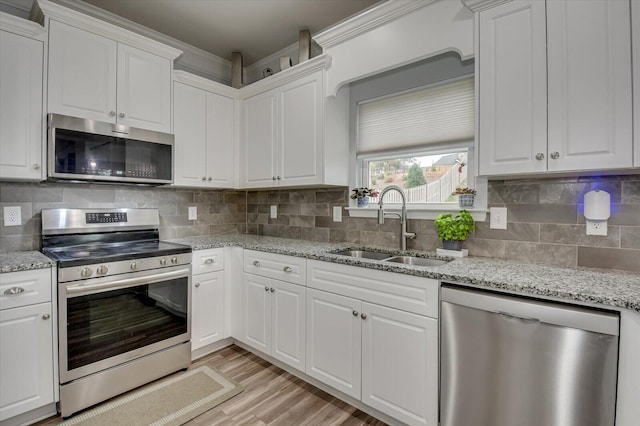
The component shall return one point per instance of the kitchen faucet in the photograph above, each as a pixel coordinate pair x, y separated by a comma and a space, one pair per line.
403, 217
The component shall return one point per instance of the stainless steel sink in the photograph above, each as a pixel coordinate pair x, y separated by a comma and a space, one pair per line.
416, 261
364, 254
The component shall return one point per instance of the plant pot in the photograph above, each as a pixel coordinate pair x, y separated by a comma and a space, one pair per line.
362, 201
452, 245
466, 200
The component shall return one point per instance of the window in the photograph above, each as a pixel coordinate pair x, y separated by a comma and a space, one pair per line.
421, 141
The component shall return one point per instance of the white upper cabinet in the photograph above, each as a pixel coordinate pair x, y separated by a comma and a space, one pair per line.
635, 32
97, 78
554, 86
205, 127
512, 118
293, 135
589, 96
21, 101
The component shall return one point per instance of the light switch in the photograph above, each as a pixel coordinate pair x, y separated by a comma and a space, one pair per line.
193, 213
274, 212
337, 213
498, 219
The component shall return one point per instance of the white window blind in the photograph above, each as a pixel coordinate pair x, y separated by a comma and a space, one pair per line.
440, 115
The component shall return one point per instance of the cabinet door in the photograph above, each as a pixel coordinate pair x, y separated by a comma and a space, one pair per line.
221, 121
21, 117
288, 316
333, 341
144, 89
82, 73
300, 115
257, 312
190, 125
259, 141
635, 28
512, 89
589, 65
207, 300
401, 383
26, 364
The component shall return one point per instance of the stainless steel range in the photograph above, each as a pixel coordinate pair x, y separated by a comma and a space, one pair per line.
124, 302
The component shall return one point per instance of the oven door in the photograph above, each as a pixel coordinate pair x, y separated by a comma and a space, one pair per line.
105, 322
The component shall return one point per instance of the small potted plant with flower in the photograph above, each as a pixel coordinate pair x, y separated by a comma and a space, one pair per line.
362, 194
466, 196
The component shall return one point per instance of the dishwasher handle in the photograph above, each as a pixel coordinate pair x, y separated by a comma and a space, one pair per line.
526, 319
534, 309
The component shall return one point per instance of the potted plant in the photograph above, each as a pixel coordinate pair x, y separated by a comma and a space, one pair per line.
466, 196
454, 230
362, 194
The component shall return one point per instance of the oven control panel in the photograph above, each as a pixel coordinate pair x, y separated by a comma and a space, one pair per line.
106, 217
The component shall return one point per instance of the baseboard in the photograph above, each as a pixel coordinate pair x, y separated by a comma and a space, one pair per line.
32, 416
206, 350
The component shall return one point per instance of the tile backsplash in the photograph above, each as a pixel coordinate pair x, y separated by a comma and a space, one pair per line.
545, 220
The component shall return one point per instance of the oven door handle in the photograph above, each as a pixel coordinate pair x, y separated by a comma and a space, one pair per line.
126, 282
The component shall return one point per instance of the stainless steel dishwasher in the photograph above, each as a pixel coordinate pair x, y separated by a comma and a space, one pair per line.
511, 361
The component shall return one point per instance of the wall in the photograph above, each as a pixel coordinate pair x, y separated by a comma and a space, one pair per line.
545, 222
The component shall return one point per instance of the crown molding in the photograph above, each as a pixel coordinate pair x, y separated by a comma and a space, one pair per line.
204, 84
101, 27
20, 26
312, 65
367, 20
479, 5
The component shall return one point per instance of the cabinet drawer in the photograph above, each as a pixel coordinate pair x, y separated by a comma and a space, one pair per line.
207, 261
278, 266
25, 288
408, 293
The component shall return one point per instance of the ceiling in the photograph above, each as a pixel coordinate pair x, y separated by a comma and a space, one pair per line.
257, 28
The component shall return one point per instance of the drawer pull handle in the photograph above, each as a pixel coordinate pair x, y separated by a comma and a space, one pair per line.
363, 316
13, 290
355, 313
256, 263
197, 285
208, 261
287, 269
46, 316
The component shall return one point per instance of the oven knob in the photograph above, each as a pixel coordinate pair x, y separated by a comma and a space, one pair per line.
134, 266
174, 260
102, 270
86, 272
163, 261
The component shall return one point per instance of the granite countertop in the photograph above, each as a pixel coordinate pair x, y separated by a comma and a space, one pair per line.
24, 261
587, 285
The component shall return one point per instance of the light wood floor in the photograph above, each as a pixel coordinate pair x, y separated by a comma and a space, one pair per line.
271, 397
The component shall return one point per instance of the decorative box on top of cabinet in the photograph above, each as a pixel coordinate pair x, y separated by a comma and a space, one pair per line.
27, 322
554, 83
21, 100
101, 72
292, 134
205, 124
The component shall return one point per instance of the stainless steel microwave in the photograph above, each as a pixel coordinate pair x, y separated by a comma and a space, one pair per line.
94, 151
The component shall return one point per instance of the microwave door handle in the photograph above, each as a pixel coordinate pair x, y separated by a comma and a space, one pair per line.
126, 282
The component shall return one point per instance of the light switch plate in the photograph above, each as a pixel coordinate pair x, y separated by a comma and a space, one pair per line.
193, 213
12, 216
498, 218
337, 214
274, 212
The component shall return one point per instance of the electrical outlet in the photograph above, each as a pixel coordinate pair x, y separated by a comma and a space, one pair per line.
12, 216
274, 212
193, 213
337, 214
597, 227
498, 219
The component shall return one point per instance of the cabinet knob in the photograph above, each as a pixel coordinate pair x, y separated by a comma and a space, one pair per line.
256, 263
266, 289
13, 290
273, 178
197, 285
46, 316
121, 115
204, 178
278, 177
555, 155
112, 113
363, 316
355, 313
539, 156
208, 261
272, 289
36, 166
287, 269
209, 178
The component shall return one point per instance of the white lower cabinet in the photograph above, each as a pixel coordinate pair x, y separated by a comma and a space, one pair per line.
26, 338
207, 298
